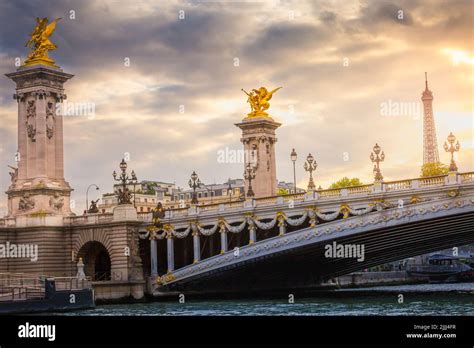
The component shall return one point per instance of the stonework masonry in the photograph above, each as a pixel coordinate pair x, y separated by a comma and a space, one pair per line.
258, 137
39, 210
38, 185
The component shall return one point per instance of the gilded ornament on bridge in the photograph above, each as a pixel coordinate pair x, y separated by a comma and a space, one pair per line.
344, 210
259, 101
157, 214
453, 193
40, 43
152, 229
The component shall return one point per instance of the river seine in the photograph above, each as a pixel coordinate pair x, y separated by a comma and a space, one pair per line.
422, 299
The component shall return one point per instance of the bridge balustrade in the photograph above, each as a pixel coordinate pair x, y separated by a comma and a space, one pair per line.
262, 218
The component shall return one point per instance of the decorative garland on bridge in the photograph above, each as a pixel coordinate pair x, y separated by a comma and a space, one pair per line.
208, 231
265, 225
182, 234
253, 222
296, 222
235, 229
306, 235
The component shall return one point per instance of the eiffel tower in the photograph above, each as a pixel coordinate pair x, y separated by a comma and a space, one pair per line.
430, 145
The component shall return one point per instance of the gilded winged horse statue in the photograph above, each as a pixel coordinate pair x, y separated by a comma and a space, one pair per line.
259, 101
40, 43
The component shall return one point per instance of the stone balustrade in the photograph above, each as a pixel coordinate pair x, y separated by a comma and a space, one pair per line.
368, 190
328, 195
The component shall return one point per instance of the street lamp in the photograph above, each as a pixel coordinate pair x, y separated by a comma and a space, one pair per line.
377, 159
124, 180
452, 148
310, 165
293, 157
249, 175
194, 183
87, 195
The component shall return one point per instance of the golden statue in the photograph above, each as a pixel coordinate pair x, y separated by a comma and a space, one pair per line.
259, 101
40, 44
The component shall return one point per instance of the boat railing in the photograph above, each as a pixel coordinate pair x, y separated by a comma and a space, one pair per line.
435, 268
22, 286
72, 283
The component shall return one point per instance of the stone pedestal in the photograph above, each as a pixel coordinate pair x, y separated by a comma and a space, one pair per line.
258, 137
378, 187
452, 178
38, 186
125, 212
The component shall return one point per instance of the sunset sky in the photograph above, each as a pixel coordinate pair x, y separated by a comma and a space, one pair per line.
175, 106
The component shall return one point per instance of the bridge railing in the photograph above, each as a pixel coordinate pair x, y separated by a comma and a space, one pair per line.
360, 190
398, 185
432, 181
325, 194
467, 177
89, 219
239, 227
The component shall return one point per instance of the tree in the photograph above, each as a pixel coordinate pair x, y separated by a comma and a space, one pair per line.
345, 182
433, 169
281, 191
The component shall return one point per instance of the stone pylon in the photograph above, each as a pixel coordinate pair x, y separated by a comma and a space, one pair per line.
37, 185
258, 137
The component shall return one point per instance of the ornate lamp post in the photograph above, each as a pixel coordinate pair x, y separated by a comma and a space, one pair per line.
293, 157
194, 183
87, 195
124, 195
377, 159
310, 165
452, 148
249, 175
229, 191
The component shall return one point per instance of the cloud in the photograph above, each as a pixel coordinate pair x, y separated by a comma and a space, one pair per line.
177, 102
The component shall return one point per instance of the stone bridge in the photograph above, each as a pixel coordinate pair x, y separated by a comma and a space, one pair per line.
281, 242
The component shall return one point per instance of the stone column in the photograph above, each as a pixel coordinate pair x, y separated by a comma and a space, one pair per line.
22, 137
153, 255
281, 226
196, 246
223, 233
41, 155
252, 233
58, 138
170, 251
40, 186
258, 137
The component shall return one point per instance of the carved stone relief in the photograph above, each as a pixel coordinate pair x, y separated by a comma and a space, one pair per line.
50, 118
26, 203
31, 120
56, 202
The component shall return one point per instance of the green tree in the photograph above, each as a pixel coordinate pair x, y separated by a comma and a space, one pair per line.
345, 182
432, 169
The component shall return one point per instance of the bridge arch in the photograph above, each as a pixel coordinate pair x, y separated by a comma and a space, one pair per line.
95, 247
96, 258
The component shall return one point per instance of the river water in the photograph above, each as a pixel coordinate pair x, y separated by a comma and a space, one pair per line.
422, 299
